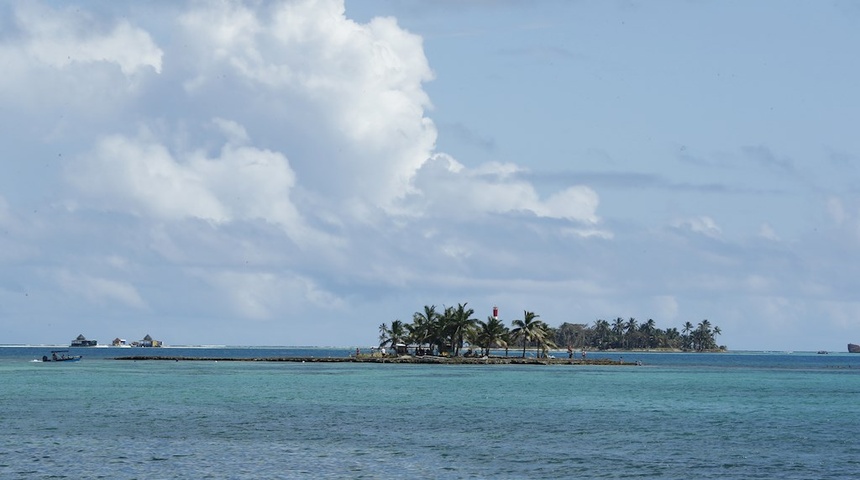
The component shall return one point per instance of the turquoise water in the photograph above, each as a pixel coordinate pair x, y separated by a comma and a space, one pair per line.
677, 416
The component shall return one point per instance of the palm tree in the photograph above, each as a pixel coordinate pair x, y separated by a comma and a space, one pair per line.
618, 332
672, 338
686, 330
703, 337
630, 329
602, 333
491, 333
457, 322
529, 329
444, 330
507, 340
545, 339
384, 338
393, 335
424, 326
649, 330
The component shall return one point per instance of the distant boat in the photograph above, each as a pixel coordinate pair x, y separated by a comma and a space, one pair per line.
823, 352
853, 348
60, 356
81, 341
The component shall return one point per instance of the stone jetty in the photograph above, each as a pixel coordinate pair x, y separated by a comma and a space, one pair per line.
404, 359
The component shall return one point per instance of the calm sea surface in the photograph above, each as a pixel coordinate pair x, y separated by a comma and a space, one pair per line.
683, 416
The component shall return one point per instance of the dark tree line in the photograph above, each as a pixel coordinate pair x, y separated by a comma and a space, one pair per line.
629, 334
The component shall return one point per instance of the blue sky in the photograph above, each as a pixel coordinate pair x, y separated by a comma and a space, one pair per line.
296, 173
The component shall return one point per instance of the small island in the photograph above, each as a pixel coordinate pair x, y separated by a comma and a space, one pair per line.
447, 332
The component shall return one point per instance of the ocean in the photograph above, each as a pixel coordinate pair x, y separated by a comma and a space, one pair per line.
739, 415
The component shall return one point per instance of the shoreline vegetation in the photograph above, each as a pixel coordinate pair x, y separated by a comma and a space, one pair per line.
454, 332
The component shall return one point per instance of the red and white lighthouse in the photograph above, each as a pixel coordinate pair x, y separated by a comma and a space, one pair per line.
496, 312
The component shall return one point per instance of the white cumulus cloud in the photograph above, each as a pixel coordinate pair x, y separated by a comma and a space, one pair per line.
704, 225
59, 55
352, 92
141, 175
447, 186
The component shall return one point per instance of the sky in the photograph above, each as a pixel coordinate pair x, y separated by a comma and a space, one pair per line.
299, 172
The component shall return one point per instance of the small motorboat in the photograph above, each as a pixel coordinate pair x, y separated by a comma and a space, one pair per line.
61, 356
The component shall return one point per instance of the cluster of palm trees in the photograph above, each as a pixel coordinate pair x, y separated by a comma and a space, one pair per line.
629, 334
447, 331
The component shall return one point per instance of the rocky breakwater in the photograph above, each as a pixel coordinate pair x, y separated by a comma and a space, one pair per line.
404, 359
